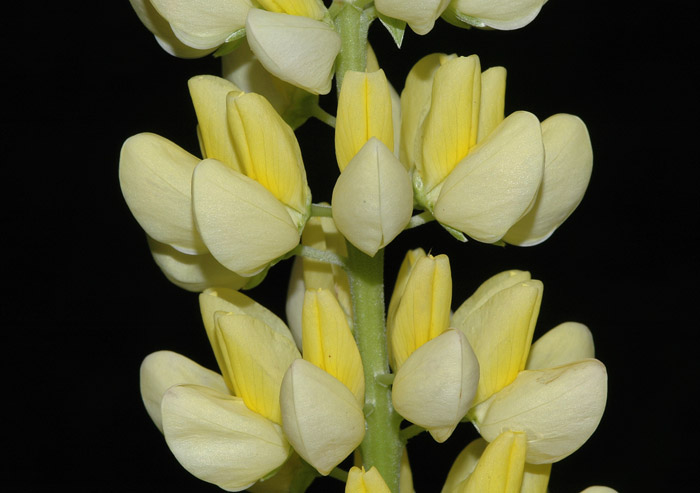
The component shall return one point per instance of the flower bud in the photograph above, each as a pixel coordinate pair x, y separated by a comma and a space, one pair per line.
320, 416
296, 49
372, 199
558, 408
361, 481
435, 386
500, 467
218, 439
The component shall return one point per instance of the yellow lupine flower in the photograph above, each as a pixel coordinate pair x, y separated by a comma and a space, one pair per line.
313, 9
328, 341
361, 481
419, 14
495, 14
364, 111
402, 277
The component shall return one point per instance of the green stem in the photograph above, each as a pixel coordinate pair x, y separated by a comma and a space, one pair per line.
339, 474
353, 25
382, 446
410, 432
322, 115
316, 254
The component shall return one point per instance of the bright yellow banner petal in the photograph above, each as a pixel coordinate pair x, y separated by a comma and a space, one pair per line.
423, 312
500, 332
244, 226
451, 126
464, 464
208, 95
267, 149
364, 111
307, 8
405, 269
361, 481
328, 341
155, 177
500, 468
258, 357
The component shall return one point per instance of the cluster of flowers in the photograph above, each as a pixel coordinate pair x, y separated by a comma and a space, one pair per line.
298, 391
291, 394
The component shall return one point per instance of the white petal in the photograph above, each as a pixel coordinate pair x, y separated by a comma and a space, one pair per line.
155, 176
193, 272
244, 226
567, 171
419, 14
203, 24
373, 198
500, 14
296, 49
559, 409
218, 439
435, 386
320, 416
164, 369
564, 344
496, 183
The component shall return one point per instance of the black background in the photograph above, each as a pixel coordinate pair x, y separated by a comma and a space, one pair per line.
82, 302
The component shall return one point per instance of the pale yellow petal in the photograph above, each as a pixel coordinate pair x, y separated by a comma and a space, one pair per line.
218, 439
203, 24
402, 278
496, 184
192, 272
500, 332
423, 312
373, 198
364, 111
415, 103
486, 290
267, 149
328, 341
298, 50
567, 170
499, 14
564, 344
493, 100
435, 386
361, 481
244, 226
536, 478
162, 31
208, 95
155, 177
451, 126
258, 358
464, 464
599, 489
419, 14
320, 416
500, 468
558, 408
164, 369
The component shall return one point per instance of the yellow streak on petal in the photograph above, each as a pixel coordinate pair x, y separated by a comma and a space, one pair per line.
328, 343
364, 111
424, 310
267, 149
451, 127
501, 466
493, 101
258, 357
306, 8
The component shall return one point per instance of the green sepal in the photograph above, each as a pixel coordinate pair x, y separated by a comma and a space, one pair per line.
396, 28
233, 41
